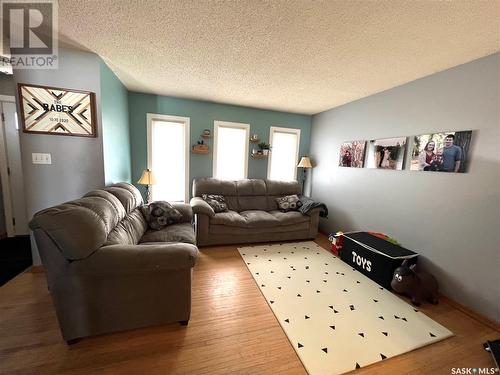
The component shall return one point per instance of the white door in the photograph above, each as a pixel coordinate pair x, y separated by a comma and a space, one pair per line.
11, 170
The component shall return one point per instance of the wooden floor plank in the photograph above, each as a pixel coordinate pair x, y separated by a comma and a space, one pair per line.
232, 330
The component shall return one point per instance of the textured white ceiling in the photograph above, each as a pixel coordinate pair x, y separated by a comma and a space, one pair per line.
298, 56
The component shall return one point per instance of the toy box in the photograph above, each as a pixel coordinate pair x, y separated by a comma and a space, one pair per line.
374, 257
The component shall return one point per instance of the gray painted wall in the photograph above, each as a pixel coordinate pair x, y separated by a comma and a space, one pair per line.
452, 220
7, 85
77, 162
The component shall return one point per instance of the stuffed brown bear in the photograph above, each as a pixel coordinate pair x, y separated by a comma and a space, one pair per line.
419, 285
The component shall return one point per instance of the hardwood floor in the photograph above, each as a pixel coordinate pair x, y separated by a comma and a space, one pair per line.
232, 330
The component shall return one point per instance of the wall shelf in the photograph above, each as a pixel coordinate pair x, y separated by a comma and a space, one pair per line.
259, 156
200, 151
204, 136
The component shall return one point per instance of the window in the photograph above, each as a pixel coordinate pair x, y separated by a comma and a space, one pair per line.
168, 156
231, 150
283, 158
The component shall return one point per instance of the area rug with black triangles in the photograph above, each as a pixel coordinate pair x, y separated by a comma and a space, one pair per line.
336, 318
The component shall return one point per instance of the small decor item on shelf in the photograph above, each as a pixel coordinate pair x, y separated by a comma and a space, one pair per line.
206, 132
147, 179
254, 138
264, 148
418, 285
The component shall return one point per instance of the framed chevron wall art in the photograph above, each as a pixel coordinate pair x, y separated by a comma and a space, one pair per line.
52, 110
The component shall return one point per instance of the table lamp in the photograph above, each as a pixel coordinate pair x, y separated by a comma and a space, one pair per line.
305, 163
147, 179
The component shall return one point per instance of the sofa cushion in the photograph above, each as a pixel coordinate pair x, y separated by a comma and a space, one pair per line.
290, 217
208, 185
259, 219
160, 214
229, 218
232, 231
79, 227
127, 194
186, 211
182, 232
251, 194
278, 189
217, 202
255, 202
289, 203
128, 231
281, 188
251, 187
120, 211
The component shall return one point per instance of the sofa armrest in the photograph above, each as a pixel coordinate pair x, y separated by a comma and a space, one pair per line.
185, 209
124, 259
201, 207
314, 212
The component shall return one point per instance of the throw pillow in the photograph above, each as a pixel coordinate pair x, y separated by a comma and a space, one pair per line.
289, 203
217, 202
159, 214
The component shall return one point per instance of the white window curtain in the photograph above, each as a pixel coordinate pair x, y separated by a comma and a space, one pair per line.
282, 164
168, 157
230, 150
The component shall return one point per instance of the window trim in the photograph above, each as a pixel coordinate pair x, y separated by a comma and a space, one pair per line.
279, 129
179, 119
227, 124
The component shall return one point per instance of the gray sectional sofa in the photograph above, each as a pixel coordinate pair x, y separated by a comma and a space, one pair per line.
252, 215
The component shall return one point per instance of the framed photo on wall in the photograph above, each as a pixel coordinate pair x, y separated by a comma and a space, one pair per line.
352, 154
53, 110
441, 152
387, 153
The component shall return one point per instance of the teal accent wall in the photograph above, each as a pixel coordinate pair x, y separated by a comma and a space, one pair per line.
202, 116
115, 128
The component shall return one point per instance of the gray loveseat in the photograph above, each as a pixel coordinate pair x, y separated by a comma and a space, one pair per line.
106, 272
252, 215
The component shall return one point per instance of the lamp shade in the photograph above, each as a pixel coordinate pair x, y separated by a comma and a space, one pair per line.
305, 162
147, 178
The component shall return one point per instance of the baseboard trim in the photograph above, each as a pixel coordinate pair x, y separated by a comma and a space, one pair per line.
471, 313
